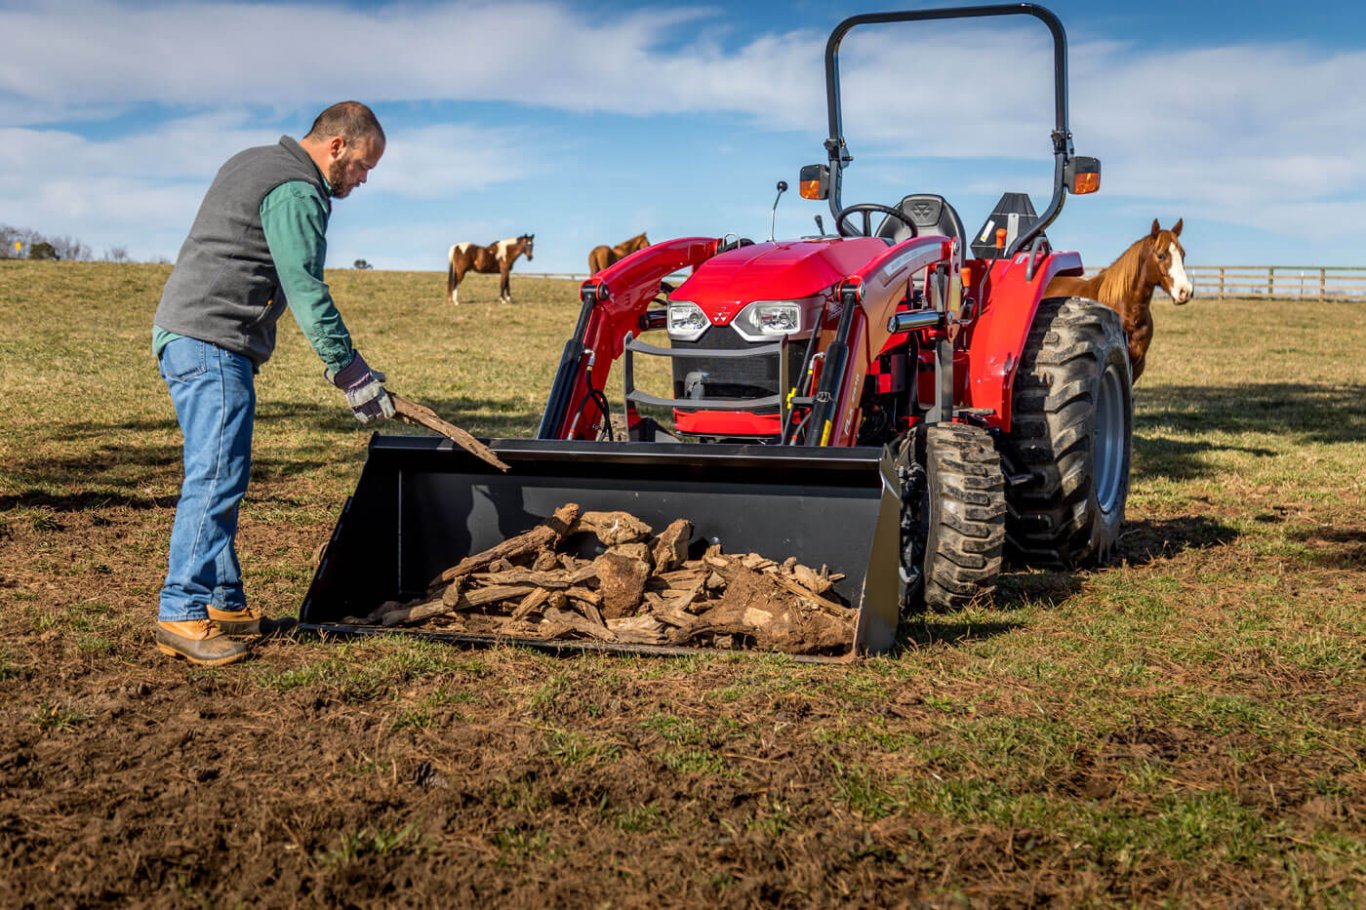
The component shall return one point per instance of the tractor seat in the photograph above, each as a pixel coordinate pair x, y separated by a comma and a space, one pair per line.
931, 214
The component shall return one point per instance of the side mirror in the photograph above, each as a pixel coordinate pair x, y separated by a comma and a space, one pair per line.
1082, 175
814, 181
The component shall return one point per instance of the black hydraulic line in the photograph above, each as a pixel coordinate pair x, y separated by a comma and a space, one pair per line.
806, 368
832, 372
562, 390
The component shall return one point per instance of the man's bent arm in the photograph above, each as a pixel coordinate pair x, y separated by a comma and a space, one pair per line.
294, 219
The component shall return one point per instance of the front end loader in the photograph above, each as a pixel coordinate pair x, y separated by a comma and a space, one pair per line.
895, 401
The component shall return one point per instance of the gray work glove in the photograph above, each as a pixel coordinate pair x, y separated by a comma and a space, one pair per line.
364, 390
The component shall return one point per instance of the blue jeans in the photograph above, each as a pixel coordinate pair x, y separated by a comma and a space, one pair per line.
215, 402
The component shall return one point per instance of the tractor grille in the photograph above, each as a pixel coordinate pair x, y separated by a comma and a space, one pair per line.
704, 377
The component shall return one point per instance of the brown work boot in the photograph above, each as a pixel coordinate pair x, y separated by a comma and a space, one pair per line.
199, 641
245, 621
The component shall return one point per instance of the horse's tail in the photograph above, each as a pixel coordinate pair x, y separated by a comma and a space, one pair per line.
450, 273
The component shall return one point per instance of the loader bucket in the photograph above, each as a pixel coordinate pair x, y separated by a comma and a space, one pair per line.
423, 504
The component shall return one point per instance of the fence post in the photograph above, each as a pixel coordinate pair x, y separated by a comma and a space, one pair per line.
1323, 284
1271, 281
1221, 282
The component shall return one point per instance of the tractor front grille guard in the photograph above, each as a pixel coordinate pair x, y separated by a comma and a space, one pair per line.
635, 396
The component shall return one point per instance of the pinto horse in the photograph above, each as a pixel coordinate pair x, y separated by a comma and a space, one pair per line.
496, 257
603, 256
1126, 286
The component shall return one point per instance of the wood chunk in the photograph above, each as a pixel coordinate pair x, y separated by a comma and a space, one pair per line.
590, 612
671, 546
716, 561
546, 534
479, 597
613, 527
810, 579
579, 624
557, 600
828, 605
406, 616
501, 565
716, 582
584, 595
531, 603
713, 550
636, 551
683, 578
545, 561
789, 564
556, 579
621, 582
641, 630
451, 596
375, 616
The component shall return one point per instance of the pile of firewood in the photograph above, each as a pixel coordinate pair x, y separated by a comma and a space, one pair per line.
642, 589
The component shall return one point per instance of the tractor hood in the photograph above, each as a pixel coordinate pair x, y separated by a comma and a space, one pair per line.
785, 270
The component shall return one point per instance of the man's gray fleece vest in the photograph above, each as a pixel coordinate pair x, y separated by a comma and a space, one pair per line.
224, 288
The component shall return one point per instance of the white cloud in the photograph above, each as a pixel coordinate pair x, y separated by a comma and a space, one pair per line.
1243, 135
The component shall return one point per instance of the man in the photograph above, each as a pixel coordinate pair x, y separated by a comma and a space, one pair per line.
257, 245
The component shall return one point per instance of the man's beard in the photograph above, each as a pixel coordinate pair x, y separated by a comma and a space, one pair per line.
336, 173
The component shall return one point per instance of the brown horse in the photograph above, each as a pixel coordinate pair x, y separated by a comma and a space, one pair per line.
1126, 286
496, 257
603, 256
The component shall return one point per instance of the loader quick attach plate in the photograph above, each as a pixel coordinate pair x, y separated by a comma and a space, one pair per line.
422, 505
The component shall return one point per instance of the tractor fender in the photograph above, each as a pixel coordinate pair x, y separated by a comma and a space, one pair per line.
1008, 300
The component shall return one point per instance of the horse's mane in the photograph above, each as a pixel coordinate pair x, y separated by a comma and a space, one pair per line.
1123, 273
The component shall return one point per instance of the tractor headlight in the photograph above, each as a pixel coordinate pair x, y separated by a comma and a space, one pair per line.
765, 319
687, 322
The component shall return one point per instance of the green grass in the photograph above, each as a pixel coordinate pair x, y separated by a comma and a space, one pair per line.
1153, 732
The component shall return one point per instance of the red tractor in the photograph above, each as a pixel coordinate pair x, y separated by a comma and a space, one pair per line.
896, 400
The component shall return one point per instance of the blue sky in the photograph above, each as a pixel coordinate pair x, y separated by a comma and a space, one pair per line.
588, 123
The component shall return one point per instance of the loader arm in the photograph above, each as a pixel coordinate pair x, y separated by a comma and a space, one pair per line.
614, 302
868, 296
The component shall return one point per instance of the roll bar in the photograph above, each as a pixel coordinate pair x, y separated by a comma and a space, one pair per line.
1062, 139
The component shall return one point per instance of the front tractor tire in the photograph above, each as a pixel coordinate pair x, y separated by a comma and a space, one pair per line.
1073, 429
952, 517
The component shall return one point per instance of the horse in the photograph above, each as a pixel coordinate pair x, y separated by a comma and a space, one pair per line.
496, 257
603, 256
1126, 286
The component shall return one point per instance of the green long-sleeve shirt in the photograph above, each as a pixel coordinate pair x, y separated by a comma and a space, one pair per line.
294, 219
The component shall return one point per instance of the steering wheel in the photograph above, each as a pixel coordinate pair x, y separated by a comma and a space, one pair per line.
867, 209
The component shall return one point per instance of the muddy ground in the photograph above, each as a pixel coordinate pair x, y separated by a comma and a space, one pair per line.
388, 773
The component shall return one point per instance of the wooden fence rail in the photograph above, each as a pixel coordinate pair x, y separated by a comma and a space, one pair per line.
1288, 282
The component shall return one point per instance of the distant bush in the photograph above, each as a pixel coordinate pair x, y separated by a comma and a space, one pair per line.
362, 264
34, 245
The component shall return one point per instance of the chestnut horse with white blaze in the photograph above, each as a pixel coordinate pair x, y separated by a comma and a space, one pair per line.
496, 257
603, 256
1127, 284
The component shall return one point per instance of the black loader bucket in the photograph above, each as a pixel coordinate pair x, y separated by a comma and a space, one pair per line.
423, 504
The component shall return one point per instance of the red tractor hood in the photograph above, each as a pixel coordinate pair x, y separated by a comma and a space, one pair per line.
785, 270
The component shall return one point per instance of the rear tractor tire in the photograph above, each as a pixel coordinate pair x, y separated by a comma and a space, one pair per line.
952, 517
1073, 429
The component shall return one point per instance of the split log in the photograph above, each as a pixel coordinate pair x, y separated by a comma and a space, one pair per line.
810, 579
621, 582
544, 535
637, 551
407, 616
558, 579
423, 416
613, 527
479, 597
531, 603
671, 547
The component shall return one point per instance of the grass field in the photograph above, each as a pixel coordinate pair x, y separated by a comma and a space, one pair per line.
1185, 727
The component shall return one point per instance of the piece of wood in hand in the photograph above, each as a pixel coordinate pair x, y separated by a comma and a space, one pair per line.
410, 411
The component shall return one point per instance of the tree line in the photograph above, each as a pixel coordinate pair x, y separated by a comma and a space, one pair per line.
26, 243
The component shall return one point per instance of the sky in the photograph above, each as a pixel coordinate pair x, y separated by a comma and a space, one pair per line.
587, 123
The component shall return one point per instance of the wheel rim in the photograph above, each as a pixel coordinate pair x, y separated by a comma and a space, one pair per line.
1109, 439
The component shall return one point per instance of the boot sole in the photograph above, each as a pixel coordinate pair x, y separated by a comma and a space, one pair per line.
201, 661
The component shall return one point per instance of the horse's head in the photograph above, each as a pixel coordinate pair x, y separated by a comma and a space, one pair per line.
527, 241
1167, 263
